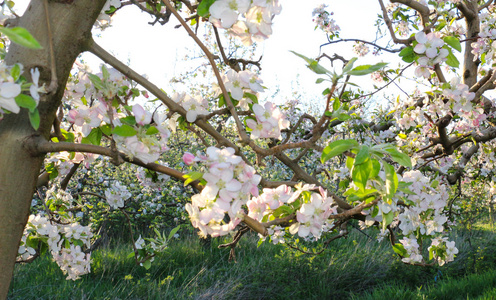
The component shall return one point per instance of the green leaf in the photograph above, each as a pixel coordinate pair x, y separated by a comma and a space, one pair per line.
407, 54
32, 242
147, 264
34, 119
173, 231
21, 36
130, 255
69, 136
152, 130
343, 117
203, 8
451, 60
453, 42
320, 80
106, 129
94, 137
387, 219
376, 168
222, 101
403, 187
399, 156
336, 148
366, 69
312, 64
250, 96
391, 180
349, 162
361, 174
124, 130
192, 176
26, 101
362, 155
52, 170
105, 73
282, 211
97, 81
15, 72
400, 249
129, 120
349, 65
336, 104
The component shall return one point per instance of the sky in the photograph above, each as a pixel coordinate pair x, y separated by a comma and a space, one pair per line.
158, 50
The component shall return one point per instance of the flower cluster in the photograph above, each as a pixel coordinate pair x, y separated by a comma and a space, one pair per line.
257, 23
322, 20
116, 195
239, 83
11, 86
194, 106
403, 29
442, 250
268, 201
63, 241
147, 141
312, 216
269, 121
485, 46
360, 49
430, 47
425, 214
229, 184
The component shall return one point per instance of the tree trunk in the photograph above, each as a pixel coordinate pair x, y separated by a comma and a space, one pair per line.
71, 23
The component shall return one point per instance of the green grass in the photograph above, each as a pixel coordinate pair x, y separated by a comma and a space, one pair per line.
355, 267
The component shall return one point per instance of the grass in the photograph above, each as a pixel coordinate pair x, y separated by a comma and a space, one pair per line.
356, 267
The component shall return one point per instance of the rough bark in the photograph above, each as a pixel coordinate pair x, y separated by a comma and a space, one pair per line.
71, 25
470, 10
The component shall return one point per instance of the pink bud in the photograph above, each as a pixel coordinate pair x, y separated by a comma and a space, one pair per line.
189, 158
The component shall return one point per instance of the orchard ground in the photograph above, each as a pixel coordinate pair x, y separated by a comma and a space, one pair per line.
357, 267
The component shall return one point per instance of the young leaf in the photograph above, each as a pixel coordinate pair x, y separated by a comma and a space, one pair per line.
192, 176
21, 36
362, 155
15, 72
94, 137
203, 8
407, 54
152, 130
399, 157
147, 264
26, 101
400, 249
349, 65
97, 82
173, 231
452, 61
391, 180
34, 119
312, 64
453, 42
361, 174
124, 130
366, 69
336, 148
